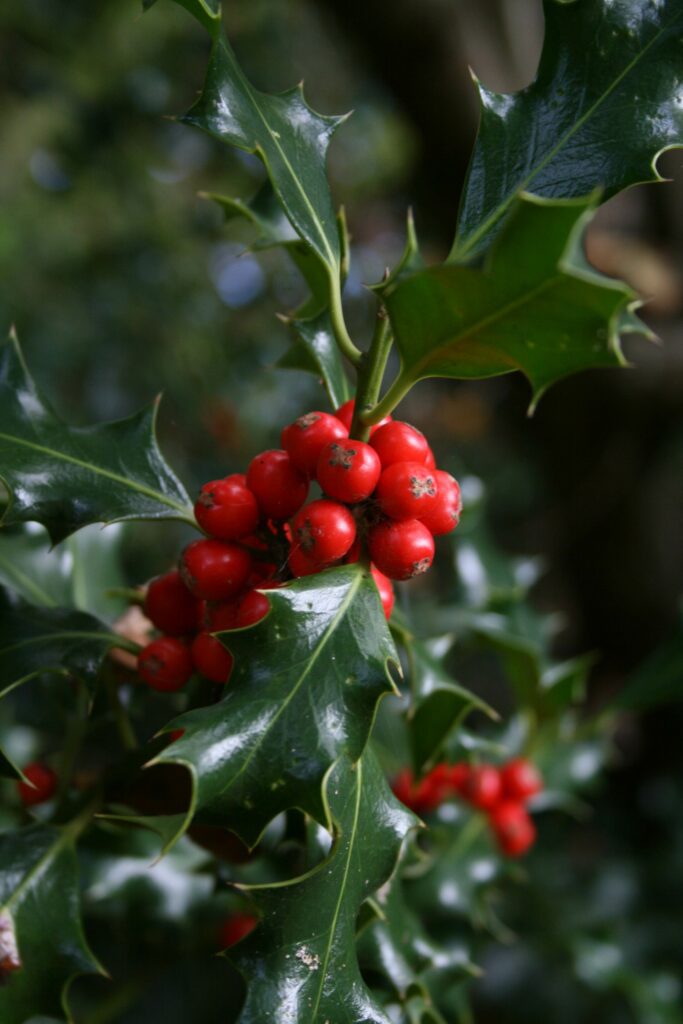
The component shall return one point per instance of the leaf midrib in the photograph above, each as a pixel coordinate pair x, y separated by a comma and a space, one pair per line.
133, 485
483, 229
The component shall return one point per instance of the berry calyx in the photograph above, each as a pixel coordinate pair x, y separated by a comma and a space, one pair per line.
482, 787
521, 780
401, 550
280, 488
227, 509
512, 827
236, 928
407, 490
399, 442
348, 470
170, 605
305, 438
211, 658
386, 590
445, 515
41, 785
324, 531
345, 414
165, 664
215, 570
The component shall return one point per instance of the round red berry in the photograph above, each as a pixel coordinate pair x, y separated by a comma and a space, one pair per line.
305, 438
236, 928
280, 488
218, 615
445, 515
211, 658
227, 509
386, 590
301, 565
324, 531
403, 787
165, 664
170, 605
407, 490
512, 827
348, 470
253, 607
399, 442
401, 550
345, 414
458, 777
482, 788
521, 779
214, 569
41, 785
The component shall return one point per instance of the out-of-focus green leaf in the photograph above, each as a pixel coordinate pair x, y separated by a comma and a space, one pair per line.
605, 103
66, 477
659, 680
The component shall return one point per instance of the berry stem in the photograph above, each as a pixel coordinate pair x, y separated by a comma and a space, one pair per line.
396, 393
370, 376
343, 339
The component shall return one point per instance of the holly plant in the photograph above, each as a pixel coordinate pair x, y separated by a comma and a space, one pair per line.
259, 786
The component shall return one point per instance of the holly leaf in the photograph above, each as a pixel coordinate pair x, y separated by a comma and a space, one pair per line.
302, 957
536, 306
315, 351
304, 691
40, 923
604, 105
66, 477
57, 641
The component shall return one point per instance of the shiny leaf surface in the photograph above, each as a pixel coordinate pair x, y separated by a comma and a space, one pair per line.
66, 477
605, 103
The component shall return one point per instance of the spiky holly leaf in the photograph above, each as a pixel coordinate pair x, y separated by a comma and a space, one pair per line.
605, 103
536, 306
302, 956
66, 477
304, 690
58, 641
40, 923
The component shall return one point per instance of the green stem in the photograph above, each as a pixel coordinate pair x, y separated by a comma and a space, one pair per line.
370, 376
353, 354
133, 595
121, 719
396, 393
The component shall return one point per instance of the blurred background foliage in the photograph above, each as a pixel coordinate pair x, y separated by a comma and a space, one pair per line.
123, 282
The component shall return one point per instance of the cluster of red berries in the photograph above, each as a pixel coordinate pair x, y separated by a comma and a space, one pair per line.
501, 793
385, 496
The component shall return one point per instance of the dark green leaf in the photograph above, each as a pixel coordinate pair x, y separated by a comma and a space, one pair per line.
66, 477
304, 690
302, 958
536, 306
40, 912
410, 261
605, 103
316, 351
659, 680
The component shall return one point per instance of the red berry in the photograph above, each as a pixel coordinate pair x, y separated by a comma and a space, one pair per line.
165, 664
348, 470
403, 786
253, 607
217, 616
445, 515
305, 438
345, 414
301, 565
214, 569
211, 658
170, 605
430, 461
401, 550
521, 780
407, 490
227, 509
399, 442
280, 488
513, 828
236, 928
482, 788
324, 531
386, 590
353, 554
458, 777
41, 785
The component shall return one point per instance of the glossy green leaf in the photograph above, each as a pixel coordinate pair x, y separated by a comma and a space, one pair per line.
56, 641
302, 958
66, 477
304, 690
536, 306
315, 351
40, 920
605, 103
